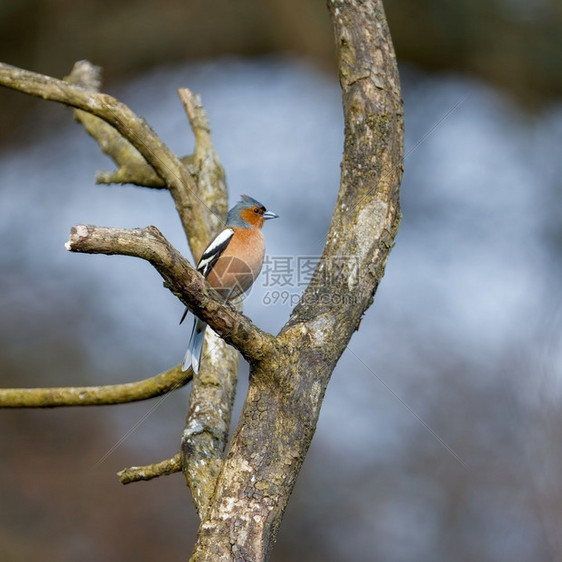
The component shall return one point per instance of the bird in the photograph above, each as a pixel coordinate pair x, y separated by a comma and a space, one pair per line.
231, 263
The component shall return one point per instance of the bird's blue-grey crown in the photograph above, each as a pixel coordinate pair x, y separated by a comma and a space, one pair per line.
246, 202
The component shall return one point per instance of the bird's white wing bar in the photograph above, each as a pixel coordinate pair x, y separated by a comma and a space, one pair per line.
211, 255
214, 250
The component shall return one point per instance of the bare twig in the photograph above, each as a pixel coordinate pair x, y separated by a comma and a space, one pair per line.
150, 471
198, 121
204, 164
95, 395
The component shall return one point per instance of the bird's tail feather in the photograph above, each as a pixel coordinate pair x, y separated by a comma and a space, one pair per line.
193, 354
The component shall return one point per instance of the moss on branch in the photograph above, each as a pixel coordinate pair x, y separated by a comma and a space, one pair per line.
150, 471
54, 397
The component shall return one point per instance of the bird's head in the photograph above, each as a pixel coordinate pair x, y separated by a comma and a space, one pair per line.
249, 213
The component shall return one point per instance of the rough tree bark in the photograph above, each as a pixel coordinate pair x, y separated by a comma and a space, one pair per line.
287, 384
241, 497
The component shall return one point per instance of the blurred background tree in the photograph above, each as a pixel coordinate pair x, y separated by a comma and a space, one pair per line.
471, 360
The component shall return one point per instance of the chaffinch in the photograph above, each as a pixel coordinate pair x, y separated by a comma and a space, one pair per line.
231, 263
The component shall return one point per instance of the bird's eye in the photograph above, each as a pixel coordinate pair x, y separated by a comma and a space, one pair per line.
256, 210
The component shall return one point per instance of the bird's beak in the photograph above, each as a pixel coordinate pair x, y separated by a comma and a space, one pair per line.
270, 215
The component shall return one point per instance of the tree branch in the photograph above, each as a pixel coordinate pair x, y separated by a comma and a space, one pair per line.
207, 424
193, 212
180, 277
212, 394
205, 167
133, 168
150, 471
165, 382
367, 212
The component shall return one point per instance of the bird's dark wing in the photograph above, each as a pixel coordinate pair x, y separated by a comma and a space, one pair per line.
211, 255
214, 251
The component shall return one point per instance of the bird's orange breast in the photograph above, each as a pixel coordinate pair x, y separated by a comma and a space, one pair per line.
240, 263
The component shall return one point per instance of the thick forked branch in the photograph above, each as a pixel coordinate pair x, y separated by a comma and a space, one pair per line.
285, 394
180, 277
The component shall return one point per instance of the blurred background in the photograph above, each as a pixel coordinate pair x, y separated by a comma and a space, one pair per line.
439, 437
